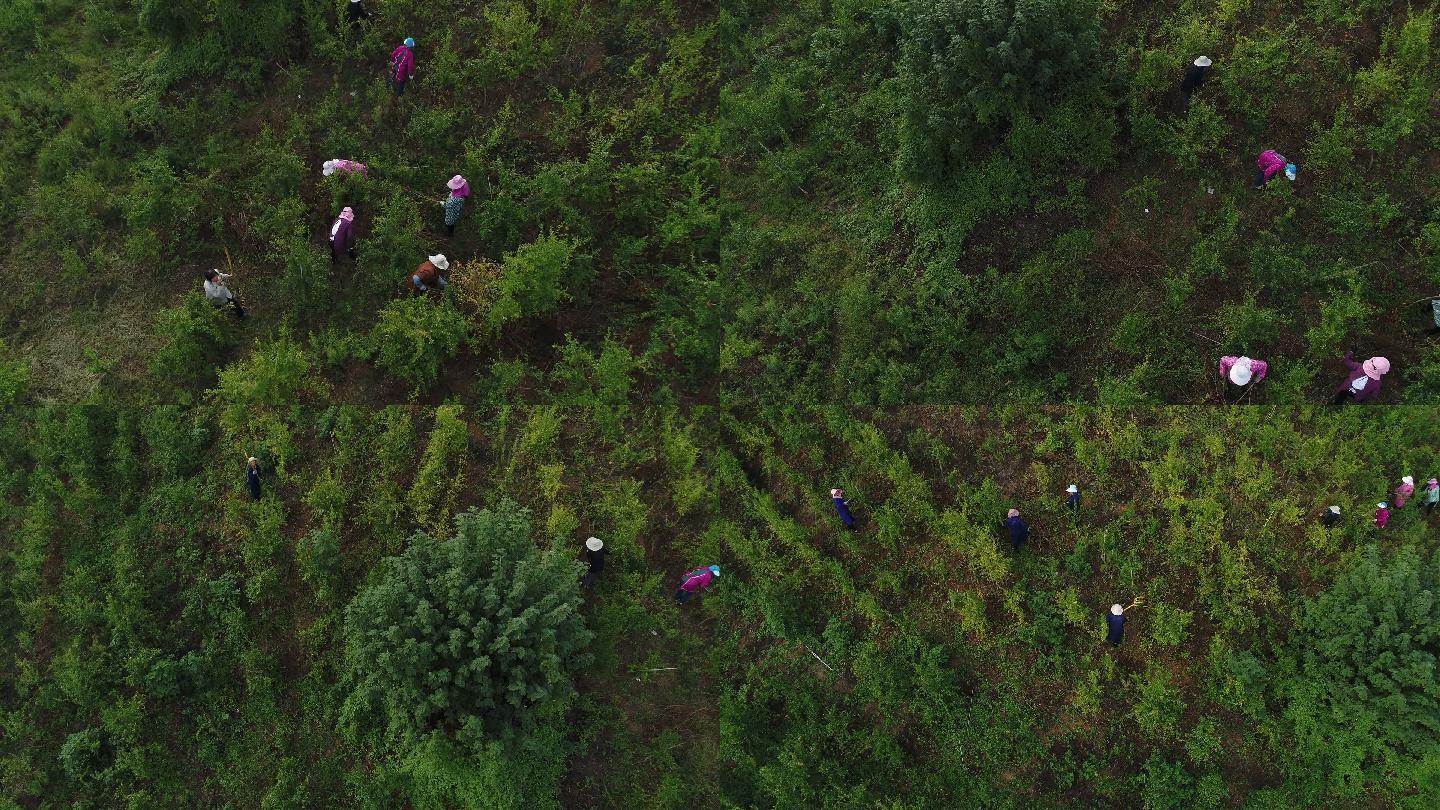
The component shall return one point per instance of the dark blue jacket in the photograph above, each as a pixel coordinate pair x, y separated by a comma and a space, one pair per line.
1019, 531
252, 480
1117, 628
843, 508
1073, 502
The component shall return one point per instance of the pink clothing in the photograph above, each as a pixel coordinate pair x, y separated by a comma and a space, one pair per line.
1258, 368
1382, 516
350, 166
697, 580
463, 191
1271, 163
1402, 492
402, 63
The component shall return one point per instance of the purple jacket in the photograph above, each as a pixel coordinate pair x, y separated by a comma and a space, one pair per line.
697, 580
1372, 386
402, 64
342, 235
1271, 163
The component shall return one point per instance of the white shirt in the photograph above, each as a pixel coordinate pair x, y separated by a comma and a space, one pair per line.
1360, 383
217, 292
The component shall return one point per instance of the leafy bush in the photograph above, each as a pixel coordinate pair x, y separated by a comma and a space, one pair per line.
413, 337
471, 640
195, 332
1367, 651
536, 278
436, 483
969, 66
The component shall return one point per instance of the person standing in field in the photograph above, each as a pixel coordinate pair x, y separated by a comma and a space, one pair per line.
342, 235
1330, 518
1432, 495
356, 13
455, 202
1404, 491
1072, 503
1019, 530
1382, 514
1115, 623
1242, 371
1271, 163
1195, 76
1363, 382
427, 276
218, 294
694, 582
842, 508
595, 558
402, 65
252, 478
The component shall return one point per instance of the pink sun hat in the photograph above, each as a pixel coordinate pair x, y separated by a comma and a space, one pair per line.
459, 186
347, 214
1375, 367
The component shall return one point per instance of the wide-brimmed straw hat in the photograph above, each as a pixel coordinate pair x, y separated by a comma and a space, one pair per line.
1072, 488
1203, 61
1117, 610
1241, 373
1375, 367
440, 262
594, 544
455, 183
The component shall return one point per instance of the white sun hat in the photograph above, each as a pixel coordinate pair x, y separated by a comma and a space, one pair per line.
1409, 479
837, 493
1335, 509
1116, 610
440, 262
1072, 488
594, 544
327, 168
1203, 61
1240, 373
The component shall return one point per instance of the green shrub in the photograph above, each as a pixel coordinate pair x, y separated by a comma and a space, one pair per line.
413, 337
195, 332
969, 66
536, 278
471, 640
441, 473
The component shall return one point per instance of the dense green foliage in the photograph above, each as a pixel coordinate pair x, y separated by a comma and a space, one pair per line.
472, 639
718, 259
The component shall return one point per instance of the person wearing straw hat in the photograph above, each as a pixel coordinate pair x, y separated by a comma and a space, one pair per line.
1194, 77
1432, 495
1115, 622
219, 295
342, 166
842, 508
342, 235
694, 582
1404, 491
252, 477
402, 65
1382, 514
427, 276
455, 203
1242, 370
1073, 502
595, 558
1330, 518
1271, 163
1363, 382
1019, 530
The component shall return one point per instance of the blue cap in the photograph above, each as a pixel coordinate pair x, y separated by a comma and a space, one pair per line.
1290, 170
715, 569
409, 42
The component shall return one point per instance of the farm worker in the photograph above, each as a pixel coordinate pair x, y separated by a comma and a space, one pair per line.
1382, 515
1194, 77
1363, 383
355, 12
342, 235
694, 582
455, 203
1432, 313
1405, 490
1243, 370
1432, 495
1330, 517
402, 65
595, 557
252, 478
1115, 622
1019, 531
842, 508
427, 276
1073, 502
218, 294
1271, 163
343, 166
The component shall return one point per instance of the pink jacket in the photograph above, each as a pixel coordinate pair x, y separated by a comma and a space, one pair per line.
402, 62
1258, 368
697, 580
351, 166
1271, 163
1402, 492
1382, 516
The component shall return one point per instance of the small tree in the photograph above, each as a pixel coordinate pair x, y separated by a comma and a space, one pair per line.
468, 640
415, 336
1366, 692
972, 65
